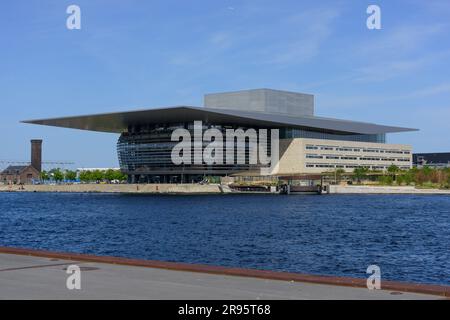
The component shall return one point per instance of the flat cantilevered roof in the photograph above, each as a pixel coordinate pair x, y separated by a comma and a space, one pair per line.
118, 122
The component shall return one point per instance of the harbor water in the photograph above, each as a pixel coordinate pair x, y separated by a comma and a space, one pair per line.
407, 236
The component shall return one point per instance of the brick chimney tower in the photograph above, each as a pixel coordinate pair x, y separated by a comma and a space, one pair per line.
36, 154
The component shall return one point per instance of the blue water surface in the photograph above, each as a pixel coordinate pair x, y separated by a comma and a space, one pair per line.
407, 236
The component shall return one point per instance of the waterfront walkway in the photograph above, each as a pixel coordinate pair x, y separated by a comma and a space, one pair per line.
119, 188
202, 189
43, 276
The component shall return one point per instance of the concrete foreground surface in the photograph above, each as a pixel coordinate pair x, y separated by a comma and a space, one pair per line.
31, 277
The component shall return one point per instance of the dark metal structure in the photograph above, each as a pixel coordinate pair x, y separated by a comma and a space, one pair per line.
119, 122
438, 159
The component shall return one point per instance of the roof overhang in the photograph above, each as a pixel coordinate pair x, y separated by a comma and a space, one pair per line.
119, 122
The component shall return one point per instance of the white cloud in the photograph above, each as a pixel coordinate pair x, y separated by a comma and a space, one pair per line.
383, 71
433, 90
222, 40
400, 41
309, 30
435, 6
332, 102
302, 37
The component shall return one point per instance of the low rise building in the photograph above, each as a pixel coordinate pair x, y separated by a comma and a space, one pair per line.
25, 174
434, 160
19, 175
316, 155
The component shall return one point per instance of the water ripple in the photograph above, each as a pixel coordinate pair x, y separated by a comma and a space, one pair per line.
407, 236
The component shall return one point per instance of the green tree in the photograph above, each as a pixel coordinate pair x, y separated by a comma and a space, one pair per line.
385, 180
110, 175
44, 175
338, 173
408, 177
70, 175
98, 175
427, 171
400, 179
360, 173
57, 174
119, 175
86, 176
393, 170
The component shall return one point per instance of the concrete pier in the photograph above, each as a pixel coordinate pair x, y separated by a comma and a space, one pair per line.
201, 189
120, 188
43, 276
384, 190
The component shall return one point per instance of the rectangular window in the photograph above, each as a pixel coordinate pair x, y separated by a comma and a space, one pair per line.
314, 156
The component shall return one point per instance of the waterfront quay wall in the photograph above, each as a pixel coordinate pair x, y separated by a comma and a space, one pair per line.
201, 189
383, 190
119, 188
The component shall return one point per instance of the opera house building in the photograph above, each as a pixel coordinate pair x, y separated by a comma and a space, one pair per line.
308, 144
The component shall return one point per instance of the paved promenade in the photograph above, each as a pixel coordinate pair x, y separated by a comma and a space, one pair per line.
201, 189
385, 190
34, 277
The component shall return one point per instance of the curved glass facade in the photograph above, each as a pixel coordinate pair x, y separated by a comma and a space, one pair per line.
145, 152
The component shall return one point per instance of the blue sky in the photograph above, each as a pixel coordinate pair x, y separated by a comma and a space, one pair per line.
144, 54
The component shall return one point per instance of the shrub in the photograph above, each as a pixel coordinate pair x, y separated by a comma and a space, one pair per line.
385, 180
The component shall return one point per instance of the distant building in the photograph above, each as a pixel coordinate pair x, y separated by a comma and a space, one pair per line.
434, 160
19, 175
28, 173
